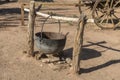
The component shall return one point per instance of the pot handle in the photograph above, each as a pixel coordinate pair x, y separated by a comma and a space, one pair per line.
44, 23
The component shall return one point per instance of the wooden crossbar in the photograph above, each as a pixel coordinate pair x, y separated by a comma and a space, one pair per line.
58, 17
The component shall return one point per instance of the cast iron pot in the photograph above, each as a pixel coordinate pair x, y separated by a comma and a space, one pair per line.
50, 42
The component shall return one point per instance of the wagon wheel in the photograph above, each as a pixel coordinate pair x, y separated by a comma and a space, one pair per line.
107, 14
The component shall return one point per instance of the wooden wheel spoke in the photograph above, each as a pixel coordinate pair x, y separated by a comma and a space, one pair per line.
96, 12
87, 8
116, 3
101, 10
107, 3
118, 24
115, 16
112, 20
102, 19
101, 16
116, 11
102, 4
107, 19
111, 3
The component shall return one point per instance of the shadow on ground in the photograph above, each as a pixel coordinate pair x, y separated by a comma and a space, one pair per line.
106, 64
11, 17
100, 45
85, 55
90, 54
10, 11
5, 1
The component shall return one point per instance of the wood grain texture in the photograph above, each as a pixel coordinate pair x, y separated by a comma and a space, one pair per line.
22, 14
31, 29
78, 42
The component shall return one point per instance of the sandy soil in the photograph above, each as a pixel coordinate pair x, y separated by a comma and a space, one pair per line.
100, 55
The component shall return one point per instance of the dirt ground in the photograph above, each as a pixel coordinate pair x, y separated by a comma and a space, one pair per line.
100, 57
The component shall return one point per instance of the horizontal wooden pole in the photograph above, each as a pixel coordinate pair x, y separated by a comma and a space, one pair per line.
59, 17
54, 17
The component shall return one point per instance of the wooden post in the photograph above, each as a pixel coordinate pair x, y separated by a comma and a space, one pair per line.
79, 7
22, 14
31, 29
78, 41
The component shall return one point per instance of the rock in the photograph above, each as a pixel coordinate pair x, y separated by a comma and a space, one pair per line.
54, 67
61, 62
41, 65
68, 60
45, 60
70, 65
25, 52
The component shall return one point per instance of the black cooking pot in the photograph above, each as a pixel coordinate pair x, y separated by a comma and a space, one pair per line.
50, 42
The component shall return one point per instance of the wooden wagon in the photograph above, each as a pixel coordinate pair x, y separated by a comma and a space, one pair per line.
106, 13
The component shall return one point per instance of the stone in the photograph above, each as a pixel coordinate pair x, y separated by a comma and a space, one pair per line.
53, 66
68, 60
45, 60
61, 62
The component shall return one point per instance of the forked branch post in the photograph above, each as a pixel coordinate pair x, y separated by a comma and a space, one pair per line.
78, 42
31, 24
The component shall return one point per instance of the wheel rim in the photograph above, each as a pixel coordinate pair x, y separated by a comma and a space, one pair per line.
106, 14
